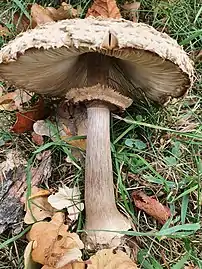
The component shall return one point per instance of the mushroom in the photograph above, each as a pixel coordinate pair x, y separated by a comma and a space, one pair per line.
104, 63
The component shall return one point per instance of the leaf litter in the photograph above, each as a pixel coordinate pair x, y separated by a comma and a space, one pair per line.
51, 244
68, 198
13, 179
37, 207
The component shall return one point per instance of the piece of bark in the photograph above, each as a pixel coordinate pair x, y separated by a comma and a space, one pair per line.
13, 190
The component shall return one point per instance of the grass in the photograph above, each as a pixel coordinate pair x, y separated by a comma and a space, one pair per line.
155, 150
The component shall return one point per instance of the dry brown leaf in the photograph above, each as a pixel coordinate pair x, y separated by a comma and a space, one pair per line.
131, 10
151, 206
4, 31
39, 15
105, 9
25, 119
39, 208
53, 245
65, 11
71, 121
14, 100
111, 259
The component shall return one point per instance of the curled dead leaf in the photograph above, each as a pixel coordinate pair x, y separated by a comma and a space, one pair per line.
151, 206
111, 259
53, 245
105, 9
37, 207
28, 262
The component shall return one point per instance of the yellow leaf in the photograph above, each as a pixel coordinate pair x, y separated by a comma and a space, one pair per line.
111, 259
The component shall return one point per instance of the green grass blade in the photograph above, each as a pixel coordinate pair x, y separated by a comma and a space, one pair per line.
185, 202
180, 263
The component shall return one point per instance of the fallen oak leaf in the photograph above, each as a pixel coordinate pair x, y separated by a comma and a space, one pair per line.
111, 259
131, 10
151, 206
53, 244
26, 119
105, 9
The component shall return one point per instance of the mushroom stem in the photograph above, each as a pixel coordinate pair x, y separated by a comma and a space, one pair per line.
101, 210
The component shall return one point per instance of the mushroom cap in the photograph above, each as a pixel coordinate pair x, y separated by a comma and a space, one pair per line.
142, 62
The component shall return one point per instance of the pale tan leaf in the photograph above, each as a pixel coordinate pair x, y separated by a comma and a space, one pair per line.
14, 100
70, 255
65, 11
39, 208
21, 97
52, 242
28, 262
105, 9
40, 15
67, 198
131, 10
111, 259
